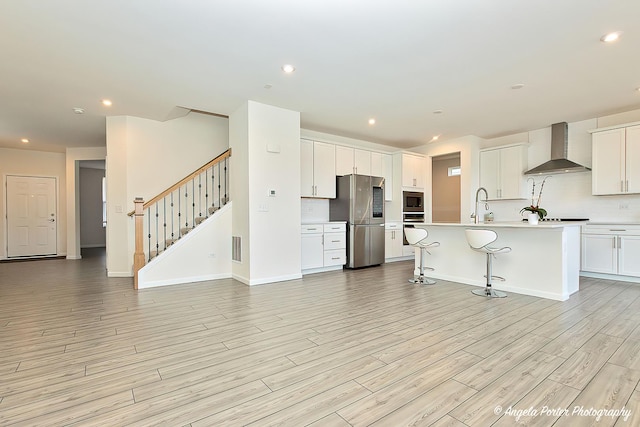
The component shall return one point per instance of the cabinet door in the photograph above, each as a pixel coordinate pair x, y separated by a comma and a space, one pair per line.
312, 252
387, 173
408, 165
393, 243
376, 164
344, 160
362, 162
413, 170
607, 176
324, 173
628, 255
511, 173
306, 168
599, 253
632, 166
490, 172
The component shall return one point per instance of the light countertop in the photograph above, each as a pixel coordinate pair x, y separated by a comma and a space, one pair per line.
505, 224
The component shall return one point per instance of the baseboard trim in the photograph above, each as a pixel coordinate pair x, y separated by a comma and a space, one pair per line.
182, 280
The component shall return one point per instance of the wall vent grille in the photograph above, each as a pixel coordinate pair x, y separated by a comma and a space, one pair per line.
236, 248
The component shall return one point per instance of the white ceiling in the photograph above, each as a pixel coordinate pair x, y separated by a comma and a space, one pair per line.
397, 61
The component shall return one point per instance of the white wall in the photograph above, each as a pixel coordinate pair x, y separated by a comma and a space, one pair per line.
569, 195
92, 233
469, 166
144, 157
34, 163
271, 161
564, 195
239, 177
203, 255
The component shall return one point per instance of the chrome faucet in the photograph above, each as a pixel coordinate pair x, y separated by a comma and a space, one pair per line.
474, 215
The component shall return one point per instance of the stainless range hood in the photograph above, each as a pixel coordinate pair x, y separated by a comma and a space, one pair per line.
559, 162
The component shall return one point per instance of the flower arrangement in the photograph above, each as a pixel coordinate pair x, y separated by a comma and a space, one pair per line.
535, 206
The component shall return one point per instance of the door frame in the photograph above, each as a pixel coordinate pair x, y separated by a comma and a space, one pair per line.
6, 213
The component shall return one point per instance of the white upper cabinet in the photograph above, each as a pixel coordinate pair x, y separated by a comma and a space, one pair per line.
387, 173
501, 172
362, 162
344, 160
376, 164
317, 169
613, 168
413, 171
352, 161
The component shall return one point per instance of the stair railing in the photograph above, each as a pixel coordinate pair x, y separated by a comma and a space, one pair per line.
167, 217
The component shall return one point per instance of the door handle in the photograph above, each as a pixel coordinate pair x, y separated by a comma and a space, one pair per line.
52, 220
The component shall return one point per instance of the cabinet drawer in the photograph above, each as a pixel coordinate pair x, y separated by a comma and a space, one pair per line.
335, 257
335, 228
335, 241
392, 226
612, 229
311, 228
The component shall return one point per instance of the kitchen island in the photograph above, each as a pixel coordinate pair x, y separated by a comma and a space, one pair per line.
544, 261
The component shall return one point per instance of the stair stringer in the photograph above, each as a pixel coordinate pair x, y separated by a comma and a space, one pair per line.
202, 254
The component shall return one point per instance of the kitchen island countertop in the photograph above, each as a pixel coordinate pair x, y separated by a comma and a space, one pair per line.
544, 261
507, 224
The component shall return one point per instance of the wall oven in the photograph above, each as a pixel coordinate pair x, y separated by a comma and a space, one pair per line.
408, 221
412, 201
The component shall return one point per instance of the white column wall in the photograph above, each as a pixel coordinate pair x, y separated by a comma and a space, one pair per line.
265, 140
239, 177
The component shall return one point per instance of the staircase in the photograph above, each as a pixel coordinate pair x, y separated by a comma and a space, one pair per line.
169, 216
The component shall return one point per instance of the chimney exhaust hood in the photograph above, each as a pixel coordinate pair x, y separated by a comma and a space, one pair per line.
559, 162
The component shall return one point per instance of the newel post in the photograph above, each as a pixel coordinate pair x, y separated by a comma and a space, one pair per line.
138, 255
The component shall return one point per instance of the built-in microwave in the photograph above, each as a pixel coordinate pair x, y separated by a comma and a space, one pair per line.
412, 201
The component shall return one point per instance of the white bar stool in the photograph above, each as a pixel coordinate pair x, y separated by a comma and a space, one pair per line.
479, 241
416, 237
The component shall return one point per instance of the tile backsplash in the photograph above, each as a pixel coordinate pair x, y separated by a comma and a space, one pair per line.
314, 210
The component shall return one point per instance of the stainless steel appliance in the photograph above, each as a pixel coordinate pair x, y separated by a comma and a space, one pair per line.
360, 201
412, 201
408, 221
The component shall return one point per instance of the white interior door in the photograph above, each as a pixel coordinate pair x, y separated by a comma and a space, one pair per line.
31, 216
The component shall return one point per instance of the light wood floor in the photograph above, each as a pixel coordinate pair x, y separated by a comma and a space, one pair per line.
333, 349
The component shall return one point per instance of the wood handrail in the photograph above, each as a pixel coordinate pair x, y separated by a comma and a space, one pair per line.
186, 179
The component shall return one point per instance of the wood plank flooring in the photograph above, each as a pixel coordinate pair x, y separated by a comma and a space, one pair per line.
352, 348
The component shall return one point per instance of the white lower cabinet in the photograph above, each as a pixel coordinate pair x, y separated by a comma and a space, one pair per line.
323, 246
335, 244
393, 240
611, 249
312, 251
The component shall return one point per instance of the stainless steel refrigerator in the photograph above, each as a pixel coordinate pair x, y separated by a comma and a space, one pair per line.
360, 201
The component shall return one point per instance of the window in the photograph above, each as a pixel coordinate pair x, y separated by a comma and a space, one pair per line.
454, 171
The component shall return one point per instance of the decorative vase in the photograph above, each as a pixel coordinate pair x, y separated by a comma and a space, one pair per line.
532, 218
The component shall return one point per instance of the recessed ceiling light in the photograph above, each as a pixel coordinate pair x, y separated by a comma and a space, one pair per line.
107, 102
438, 112
372, 121
435, 138
24, 140
288, 68
268, 86
78, 110
517, 86
611, 37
